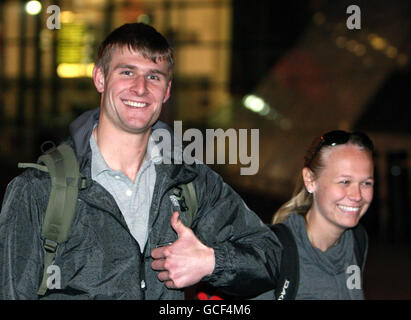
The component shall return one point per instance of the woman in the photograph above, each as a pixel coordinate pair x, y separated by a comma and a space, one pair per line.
334, 191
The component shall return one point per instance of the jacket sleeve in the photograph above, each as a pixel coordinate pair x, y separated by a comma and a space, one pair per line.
247, 252
21, 264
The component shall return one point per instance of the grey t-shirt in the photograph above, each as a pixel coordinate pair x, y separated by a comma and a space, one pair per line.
329, 274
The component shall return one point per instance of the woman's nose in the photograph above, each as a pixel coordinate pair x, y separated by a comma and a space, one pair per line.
354, 193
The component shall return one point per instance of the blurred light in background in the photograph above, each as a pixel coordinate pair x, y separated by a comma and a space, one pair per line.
33, 7
377, 42
391, 52
256, 104
75, 70
74, 48
67, 16
144, 18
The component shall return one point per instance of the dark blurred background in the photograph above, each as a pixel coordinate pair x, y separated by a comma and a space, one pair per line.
292, 69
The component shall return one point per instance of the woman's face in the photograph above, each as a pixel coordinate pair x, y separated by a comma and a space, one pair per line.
343, 189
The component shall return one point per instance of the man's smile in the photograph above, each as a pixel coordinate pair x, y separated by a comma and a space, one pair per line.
135, 104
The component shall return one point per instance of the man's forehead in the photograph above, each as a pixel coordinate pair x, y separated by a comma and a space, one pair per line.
125, 50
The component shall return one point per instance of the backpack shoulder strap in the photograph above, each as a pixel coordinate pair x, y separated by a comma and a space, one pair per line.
360, 244
62, 165
187, 198
287, 284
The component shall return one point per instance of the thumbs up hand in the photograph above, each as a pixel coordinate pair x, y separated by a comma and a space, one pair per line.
186, 261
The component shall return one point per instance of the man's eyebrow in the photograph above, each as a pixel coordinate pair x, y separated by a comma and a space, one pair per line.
159, 72
124, 66
132, 67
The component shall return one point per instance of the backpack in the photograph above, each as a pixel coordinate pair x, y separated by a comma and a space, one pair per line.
289, 276
61, 163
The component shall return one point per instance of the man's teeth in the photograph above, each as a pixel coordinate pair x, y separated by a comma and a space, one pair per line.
135, 104
351, 209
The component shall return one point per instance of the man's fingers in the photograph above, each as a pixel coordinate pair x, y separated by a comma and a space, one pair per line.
170, 284
158, 264
185, 261
158, 253
163, 276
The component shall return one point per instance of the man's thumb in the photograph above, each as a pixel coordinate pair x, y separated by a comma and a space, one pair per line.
176, 223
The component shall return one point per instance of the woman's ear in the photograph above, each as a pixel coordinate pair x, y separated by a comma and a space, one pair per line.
308, 178
98, 78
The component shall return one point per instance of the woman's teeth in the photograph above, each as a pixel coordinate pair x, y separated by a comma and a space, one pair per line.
351, 209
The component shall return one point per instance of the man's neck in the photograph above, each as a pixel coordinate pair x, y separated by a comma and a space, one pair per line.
122, 150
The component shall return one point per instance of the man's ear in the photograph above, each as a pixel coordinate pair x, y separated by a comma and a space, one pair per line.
167, 95
308, 178
98, 78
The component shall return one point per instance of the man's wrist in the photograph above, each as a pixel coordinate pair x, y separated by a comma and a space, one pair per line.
211, 259
218, 265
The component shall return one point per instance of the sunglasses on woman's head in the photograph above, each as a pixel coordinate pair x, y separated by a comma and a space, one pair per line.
337, 137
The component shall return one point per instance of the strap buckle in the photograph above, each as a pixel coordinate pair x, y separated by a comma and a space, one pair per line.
50, 245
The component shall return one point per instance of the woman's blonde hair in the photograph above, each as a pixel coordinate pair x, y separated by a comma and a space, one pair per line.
301, 200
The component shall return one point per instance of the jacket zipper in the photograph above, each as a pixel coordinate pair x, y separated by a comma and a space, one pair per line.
142, 272
143, 285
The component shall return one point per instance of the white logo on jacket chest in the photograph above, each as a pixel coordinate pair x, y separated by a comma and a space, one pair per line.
174, 201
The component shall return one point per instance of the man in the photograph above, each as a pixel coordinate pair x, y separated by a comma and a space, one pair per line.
127, 241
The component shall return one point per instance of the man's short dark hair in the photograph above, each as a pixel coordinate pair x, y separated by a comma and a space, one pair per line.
138, 37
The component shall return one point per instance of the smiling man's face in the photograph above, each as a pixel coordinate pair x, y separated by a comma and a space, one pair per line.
133, 90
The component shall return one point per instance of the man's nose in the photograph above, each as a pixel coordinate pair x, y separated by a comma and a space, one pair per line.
140, 85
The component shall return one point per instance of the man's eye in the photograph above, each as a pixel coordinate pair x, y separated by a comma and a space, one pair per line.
345, 182
127, 72
153, 77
